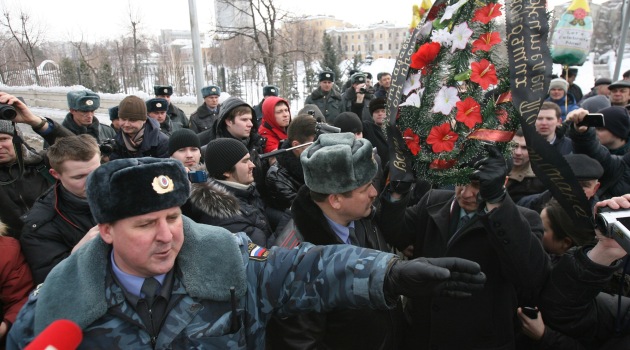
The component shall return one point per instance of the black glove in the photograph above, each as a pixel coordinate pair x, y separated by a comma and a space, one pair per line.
401, 175
491, 173
453, 277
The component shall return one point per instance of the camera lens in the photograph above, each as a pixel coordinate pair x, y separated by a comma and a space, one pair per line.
7, 112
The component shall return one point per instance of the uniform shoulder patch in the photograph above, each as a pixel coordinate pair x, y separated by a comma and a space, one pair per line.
256, 252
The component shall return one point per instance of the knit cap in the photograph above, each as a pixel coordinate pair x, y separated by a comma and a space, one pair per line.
559, 83
222, 154
348, 122
132, 108
182, 138
617, 121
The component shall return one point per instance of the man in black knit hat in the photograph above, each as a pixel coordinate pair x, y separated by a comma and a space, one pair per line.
184, 146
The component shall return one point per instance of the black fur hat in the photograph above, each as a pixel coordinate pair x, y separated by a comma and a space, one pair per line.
124, 188
157, 105
161, 90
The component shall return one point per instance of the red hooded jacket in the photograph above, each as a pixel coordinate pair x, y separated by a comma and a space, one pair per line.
269, 128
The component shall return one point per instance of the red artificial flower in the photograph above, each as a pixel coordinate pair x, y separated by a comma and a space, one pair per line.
434, 11
579, 13
505, 97
483, 73
412, 140
487, 13
442, 138
468, 112
502, 116
486, 42
441, 164
424, 56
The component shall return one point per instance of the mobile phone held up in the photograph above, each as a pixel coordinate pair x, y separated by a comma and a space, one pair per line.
530, 312
592, 119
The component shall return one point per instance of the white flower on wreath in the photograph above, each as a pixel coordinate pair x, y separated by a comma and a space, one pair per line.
442, 36
412, 83
445, 100
452, 9
412, 100
460, 35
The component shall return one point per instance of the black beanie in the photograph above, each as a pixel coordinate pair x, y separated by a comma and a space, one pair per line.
617, 121
222, 154
182, 138
348, 122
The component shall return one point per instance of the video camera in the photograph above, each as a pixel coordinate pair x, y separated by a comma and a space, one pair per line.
198, 176
615, 225
108, 147
7, 112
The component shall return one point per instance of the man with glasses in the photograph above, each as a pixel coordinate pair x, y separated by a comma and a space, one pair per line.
81, 119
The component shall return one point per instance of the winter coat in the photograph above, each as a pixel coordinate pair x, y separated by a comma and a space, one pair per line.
100, 132
567, 104
168, 127
55, 224
18, 197
177, 116
154, 144
203, 119
375, 135
337, 329
269, 128
562, 143
347, 104
266, 282
616, 178
284, 179
15, 279
329, 104
235, 209
523, 183
381, 92
505, 242
254, 143
258, 111
572, 302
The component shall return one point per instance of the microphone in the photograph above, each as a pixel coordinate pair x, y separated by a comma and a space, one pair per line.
59, 335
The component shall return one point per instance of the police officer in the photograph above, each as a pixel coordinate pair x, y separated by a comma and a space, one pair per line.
176, 114
153, 278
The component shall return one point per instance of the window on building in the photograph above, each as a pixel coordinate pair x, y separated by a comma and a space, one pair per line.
380, 47
359, 36
345, 48
381, 35
390, 35
352, 36
389, 46
352, 48
396, 46
397, 35
359, 48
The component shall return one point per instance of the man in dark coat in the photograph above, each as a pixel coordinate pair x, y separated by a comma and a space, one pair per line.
207, 114
236, 122
384, 83
336, 207
522, 180
356, 99
81, 119
21, 186
478, 221
177, 115
325, 97
285, 177
156, 109
373, 129
229, 198
139, 136
549, 125
61, 217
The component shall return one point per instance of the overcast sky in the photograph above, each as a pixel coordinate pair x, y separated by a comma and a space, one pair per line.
97, 19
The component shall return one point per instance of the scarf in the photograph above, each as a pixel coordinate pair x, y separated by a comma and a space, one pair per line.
133, 144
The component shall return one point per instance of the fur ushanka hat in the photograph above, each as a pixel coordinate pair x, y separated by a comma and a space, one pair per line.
338, 163
124, 188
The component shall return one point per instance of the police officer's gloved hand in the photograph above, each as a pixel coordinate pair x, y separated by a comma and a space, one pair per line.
491, 173
453, 277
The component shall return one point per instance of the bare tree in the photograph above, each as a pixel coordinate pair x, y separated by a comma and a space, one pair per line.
27, 35
257, 20
134, 26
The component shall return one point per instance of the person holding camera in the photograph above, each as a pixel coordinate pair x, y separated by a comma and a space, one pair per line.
356, 98
478, 221
572, 301
592, 141
81, 118
61, 217
139, 136
23, 172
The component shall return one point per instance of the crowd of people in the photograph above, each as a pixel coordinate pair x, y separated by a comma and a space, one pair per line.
254, 227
